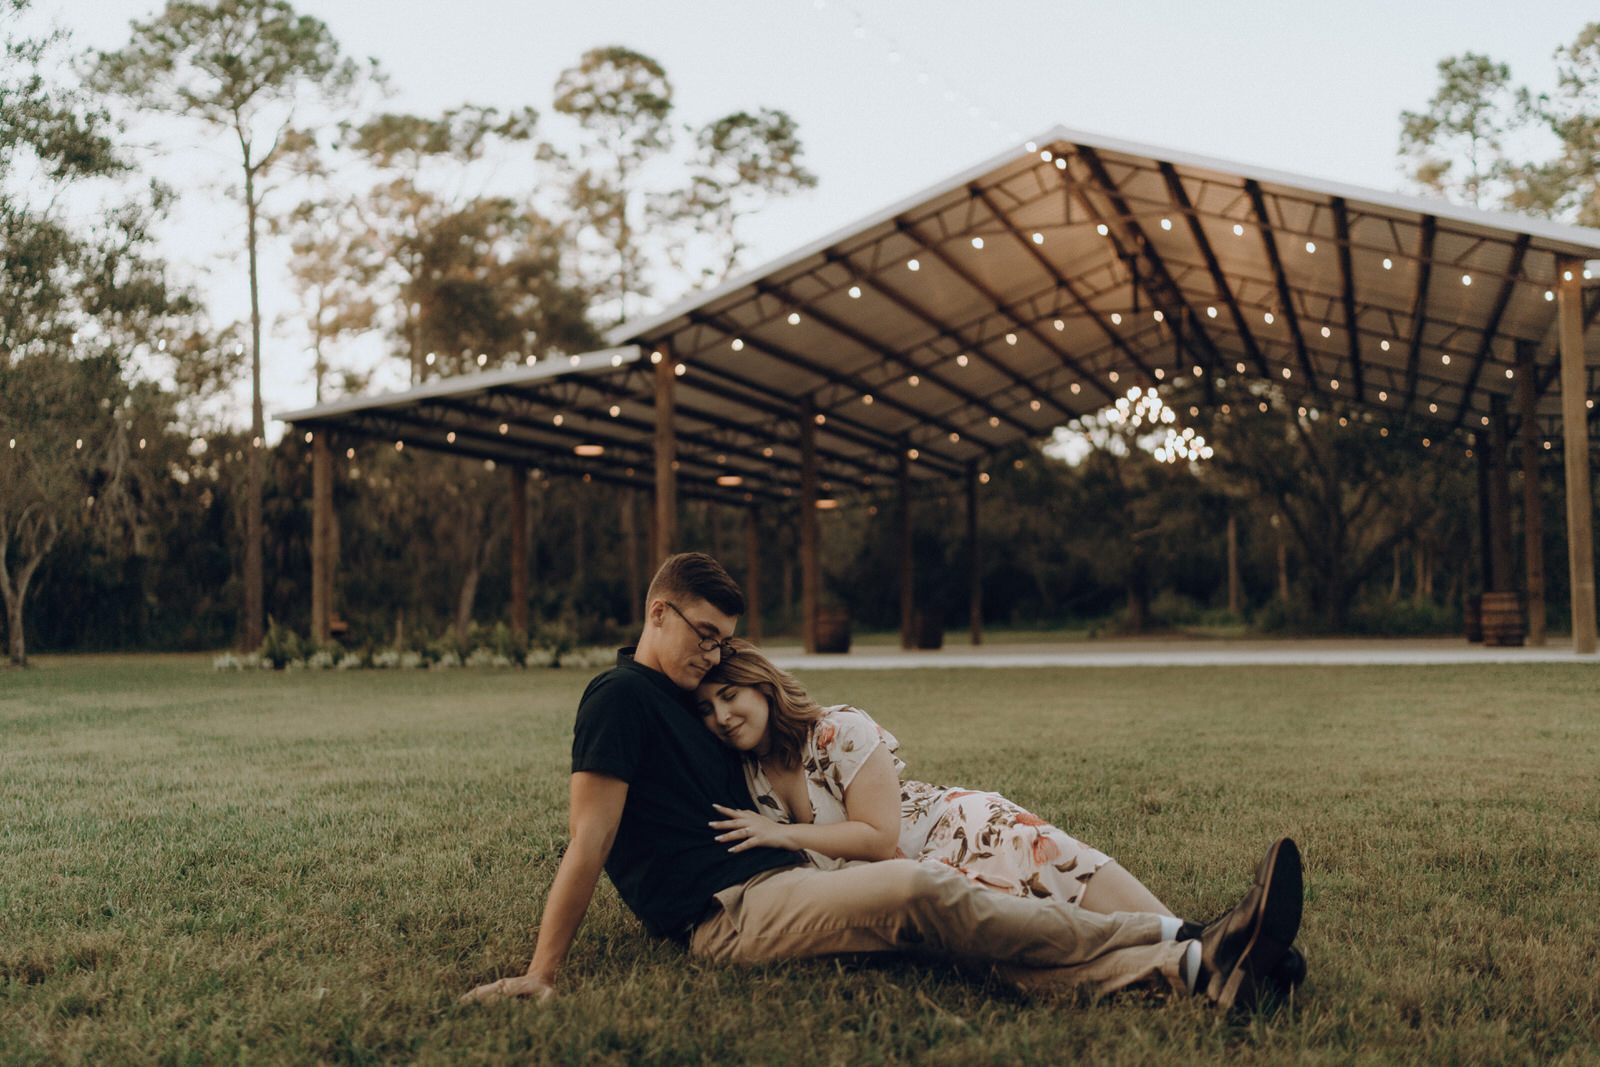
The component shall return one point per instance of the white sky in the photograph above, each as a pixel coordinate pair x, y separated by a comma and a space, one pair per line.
892, 96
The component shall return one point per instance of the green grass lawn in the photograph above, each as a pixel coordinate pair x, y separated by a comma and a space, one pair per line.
202, 867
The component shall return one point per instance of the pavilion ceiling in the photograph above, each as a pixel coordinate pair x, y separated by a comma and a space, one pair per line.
1032, 289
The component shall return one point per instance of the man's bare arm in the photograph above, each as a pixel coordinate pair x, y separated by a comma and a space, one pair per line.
594, 811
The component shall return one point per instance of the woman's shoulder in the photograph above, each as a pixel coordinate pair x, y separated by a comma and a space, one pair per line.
850, 728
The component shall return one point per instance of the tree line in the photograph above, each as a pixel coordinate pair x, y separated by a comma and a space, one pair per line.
134, 513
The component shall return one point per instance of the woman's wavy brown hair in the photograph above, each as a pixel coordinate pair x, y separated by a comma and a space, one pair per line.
790, 709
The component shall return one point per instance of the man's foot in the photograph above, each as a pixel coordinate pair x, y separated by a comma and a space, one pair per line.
1282, 980
1240, 951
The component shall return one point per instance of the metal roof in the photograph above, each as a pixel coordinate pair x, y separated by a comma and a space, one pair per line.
1033, 288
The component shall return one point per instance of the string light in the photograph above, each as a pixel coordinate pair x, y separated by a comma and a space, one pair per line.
680, 369
961, 360
1011, 339
1238, 230
913, 265
794, 318
1388, 264
1211, 312
1311, 248
737, 344
977, 243
855, 292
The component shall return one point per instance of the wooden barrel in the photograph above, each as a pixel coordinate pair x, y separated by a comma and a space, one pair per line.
1502, 618
833, 629
1472, 617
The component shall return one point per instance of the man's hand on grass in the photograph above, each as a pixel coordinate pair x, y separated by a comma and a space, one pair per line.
525, 986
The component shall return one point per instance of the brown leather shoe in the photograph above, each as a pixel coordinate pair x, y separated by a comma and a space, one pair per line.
1239, 951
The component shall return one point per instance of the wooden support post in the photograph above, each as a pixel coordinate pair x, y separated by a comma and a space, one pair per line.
810, 580
666, 512
974, 558
1575, 440
908, 594
321, 537
752, 573
1500, 497
1235, 586
1532, 497
519, 549
1480, 445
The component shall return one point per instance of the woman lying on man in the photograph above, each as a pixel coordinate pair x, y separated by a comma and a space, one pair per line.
828, 781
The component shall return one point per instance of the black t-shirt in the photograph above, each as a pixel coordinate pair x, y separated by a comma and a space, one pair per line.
635, 724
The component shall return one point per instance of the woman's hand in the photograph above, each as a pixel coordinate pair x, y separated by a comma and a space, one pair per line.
749, 829
521, 986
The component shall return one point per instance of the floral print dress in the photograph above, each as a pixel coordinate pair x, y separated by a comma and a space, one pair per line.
983, 835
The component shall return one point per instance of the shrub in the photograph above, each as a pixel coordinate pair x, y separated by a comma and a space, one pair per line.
281, 646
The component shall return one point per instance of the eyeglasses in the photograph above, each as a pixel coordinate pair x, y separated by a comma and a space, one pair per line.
706, 643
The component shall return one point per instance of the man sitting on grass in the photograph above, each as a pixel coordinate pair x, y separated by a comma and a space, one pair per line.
646, 776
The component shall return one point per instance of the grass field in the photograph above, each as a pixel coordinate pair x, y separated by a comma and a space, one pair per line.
199, 867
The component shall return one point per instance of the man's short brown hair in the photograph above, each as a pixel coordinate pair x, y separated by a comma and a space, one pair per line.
695, 575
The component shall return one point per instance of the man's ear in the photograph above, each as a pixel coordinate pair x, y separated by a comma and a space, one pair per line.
655, 612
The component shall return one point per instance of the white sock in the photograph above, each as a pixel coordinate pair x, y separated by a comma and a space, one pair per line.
1190, 967
1170, 925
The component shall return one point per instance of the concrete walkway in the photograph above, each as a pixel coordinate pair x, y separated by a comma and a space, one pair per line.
1180, 652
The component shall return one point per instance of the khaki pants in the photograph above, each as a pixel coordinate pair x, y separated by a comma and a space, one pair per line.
910, 906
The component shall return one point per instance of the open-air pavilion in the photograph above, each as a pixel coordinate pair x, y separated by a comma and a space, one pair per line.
1042, 285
